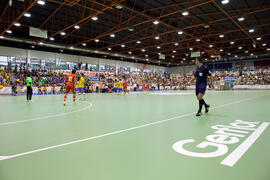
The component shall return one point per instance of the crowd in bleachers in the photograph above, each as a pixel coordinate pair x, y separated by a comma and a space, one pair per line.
44, 78
259, 76
148, 81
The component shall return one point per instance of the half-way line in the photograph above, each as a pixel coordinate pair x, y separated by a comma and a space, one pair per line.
116, 132
242, 148
46, 117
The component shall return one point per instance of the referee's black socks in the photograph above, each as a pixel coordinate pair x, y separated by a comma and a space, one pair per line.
200, 106
203, 102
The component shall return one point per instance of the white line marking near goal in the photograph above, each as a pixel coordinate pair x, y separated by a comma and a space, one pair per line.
116, 132
46, 117
171, 94
243, 148
3, 157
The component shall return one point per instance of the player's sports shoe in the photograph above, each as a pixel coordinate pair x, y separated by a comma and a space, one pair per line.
74, 102
64, 103
198, 114
207, 108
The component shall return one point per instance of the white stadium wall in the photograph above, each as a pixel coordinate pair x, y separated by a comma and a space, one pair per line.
16, 52
181, 69
33, 54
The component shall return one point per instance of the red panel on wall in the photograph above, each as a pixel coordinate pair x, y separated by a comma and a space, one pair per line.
262, 63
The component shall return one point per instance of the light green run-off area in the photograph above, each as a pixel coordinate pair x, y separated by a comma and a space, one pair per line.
144, 153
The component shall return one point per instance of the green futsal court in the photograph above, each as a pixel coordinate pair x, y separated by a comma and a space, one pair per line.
141, 136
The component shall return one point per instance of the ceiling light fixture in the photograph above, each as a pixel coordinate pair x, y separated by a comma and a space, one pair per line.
118, 6
251, 30
27, 14
17, 24
95, 18
40, 2
156, 22
221, 36
241, 19
180, 32
185, 13
225, 1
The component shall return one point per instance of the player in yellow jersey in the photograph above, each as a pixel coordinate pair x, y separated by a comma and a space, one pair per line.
120, 83
81, 86
119, 86
77, 86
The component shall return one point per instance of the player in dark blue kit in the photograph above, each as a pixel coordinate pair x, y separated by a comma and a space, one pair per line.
201, 74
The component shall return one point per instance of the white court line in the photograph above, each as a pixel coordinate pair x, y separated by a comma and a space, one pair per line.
2, 157
45, 117
115, 132
242, 149
171, 94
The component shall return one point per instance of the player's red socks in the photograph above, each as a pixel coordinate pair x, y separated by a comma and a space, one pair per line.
74, 97
65, 97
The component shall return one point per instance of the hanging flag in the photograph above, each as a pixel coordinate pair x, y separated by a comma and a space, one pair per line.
143, 68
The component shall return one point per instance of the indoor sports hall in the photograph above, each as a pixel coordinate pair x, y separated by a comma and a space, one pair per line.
134, 89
